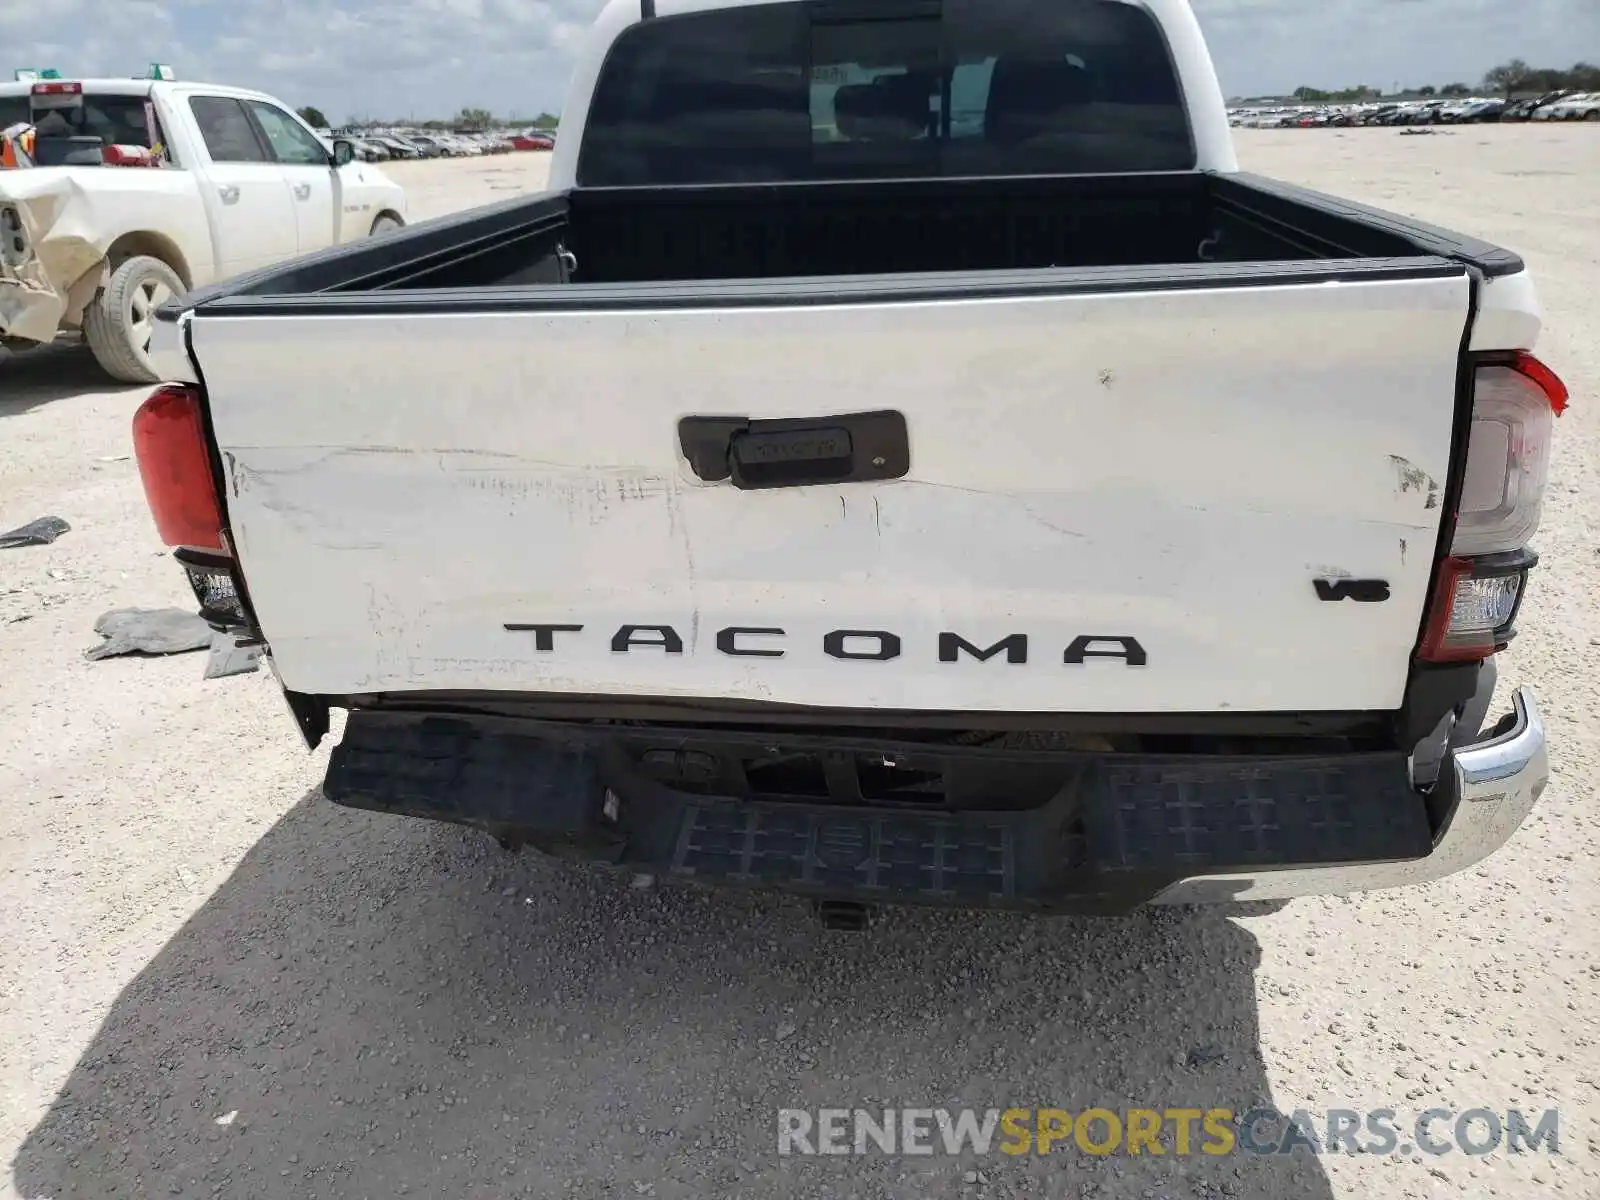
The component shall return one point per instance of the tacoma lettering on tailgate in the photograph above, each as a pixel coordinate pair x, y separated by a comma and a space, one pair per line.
853, 645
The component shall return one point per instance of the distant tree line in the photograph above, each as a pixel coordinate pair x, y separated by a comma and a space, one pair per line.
467, 118
1509, 79
1517, 77
1311, 95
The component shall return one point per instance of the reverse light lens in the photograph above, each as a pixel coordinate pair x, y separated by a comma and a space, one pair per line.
1508, 461
1481, 606
1474, 604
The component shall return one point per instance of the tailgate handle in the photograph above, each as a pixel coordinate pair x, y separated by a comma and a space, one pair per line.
852, 448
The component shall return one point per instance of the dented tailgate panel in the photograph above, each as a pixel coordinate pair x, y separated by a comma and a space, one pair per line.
1165, 500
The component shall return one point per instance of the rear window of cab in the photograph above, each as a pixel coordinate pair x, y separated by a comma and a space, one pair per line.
793, 92
114, 119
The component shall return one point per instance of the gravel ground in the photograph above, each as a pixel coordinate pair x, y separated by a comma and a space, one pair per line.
213, 983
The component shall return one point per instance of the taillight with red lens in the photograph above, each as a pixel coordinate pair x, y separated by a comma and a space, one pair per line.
1544, 378
59, 87
1479, 587
1508, 455
170, 443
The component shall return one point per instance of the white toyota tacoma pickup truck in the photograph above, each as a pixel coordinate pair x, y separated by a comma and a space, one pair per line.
240, 182
902, 459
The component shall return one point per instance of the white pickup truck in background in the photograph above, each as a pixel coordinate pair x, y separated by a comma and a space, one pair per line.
903, 458
240, 182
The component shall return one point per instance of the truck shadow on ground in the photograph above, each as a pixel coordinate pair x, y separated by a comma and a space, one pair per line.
37, 377
372, 1006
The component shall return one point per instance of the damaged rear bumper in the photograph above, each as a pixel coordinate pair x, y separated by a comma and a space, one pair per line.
1067, 831
1487, 790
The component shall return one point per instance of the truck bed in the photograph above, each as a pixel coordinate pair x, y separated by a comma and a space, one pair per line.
619, 236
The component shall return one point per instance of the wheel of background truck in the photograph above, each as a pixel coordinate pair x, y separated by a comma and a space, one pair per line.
385, 224
118, 322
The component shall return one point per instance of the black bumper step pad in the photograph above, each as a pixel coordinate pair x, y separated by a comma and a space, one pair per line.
1153, 818
453, 770
782, 844
1354, 808
1196, 818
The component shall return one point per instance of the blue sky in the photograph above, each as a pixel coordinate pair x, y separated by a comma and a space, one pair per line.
397, 58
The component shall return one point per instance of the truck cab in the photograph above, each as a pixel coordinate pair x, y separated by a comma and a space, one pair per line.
221, 181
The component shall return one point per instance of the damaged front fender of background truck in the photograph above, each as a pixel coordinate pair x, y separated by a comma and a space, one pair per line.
45, 250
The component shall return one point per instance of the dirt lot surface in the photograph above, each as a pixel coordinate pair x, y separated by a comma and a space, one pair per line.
213, 983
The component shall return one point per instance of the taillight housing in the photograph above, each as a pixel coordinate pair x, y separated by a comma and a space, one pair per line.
1475, 603
169, 441
1514, 407
1479, 585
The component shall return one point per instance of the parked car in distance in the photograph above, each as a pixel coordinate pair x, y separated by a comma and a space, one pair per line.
1584, 106
1558, 108
1489, 110
1476, 112
162, 187
423, 149
397, 148
431, 147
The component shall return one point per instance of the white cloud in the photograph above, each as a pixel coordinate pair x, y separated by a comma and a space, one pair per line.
432, 57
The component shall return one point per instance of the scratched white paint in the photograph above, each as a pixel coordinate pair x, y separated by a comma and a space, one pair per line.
1172, 466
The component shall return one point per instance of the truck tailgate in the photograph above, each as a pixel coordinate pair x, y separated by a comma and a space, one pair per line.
1223, 495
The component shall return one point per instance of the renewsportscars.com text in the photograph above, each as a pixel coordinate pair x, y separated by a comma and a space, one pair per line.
1160, 1131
